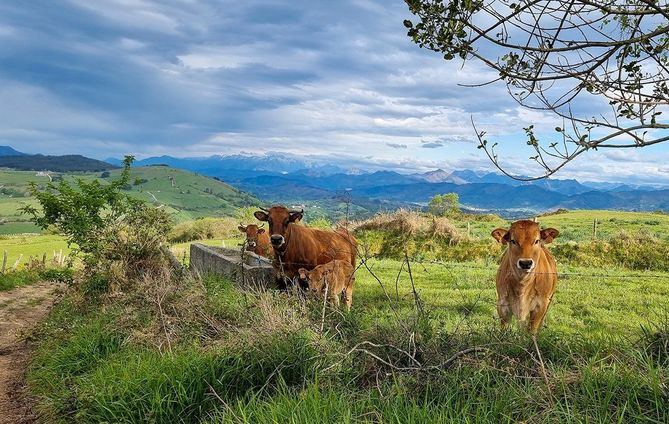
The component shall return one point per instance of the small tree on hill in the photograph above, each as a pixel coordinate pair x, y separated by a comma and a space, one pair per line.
445, 205
103, 224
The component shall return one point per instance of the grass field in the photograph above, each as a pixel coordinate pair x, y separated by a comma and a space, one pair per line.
578, 225
166, 350
261, 357
25, 246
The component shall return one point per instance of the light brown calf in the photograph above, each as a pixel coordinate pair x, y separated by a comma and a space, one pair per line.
257, 240
527, 274
337, 276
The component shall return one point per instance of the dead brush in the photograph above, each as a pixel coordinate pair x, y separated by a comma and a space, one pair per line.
161, 309
442, 228
408, 223
402, 221
202, 229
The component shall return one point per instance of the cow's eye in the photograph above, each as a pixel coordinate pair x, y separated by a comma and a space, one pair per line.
536, 242
514, 242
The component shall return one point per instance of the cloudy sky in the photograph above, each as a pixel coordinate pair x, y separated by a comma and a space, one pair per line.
197, 78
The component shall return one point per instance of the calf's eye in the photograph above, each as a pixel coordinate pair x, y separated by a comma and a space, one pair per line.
536, 242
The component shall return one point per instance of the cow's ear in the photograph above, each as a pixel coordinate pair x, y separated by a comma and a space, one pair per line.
242, 229
261, 216
549, 234
501, 235
296, 216
261, 230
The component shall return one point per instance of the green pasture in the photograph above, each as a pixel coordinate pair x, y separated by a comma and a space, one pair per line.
183, 194
29, 245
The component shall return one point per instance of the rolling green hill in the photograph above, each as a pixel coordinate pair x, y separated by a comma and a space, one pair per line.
67, 163
184, 194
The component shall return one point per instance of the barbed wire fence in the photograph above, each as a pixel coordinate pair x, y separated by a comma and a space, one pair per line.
407, 356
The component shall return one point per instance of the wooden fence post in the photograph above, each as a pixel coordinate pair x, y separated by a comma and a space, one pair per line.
18, 261
594, 228
4, 262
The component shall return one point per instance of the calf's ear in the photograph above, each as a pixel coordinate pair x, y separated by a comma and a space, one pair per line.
549, 234
261, 216
242, 229
501, 235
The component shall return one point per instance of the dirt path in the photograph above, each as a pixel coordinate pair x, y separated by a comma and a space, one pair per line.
20, 310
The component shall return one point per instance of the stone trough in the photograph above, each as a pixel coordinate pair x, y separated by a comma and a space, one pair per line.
249, 269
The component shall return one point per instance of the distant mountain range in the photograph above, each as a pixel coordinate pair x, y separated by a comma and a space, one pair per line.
278, 177
283, 178
10, 158
8, 151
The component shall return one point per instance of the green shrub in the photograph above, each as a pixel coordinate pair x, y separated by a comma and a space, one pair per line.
13, 279
109, 229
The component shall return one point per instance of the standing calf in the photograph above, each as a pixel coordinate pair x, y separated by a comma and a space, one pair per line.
527, 274
337, 276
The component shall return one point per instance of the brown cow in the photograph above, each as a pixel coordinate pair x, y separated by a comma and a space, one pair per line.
297, 246
257, 240
527, 274
337, 276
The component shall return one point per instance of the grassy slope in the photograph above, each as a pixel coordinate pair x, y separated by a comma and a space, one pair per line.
31, 245
262, 359
193, 196
577, 225
573, 226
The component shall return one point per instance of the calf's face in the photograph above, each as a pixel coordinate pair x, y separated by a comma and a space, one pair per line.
278, 218
524, 240
316, 279
252, 232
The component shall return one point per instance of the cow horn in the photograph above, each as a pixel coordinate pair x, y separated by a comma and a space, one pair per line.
263, 209
300, 211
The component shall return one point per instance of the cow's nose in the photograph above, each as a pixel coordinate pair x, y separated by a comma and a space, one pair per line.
277, 240
525, 264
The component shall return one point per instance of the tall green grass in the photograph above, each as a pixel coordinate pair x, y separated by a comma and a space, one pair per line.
238, 356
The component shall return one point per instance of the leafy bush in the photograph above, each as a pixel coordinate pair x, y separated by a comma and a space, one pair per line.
107, 228
447, 204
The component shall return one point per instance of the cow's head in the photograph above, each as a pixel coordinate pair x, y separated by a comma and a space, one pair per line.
525, 239
252, 231
278, 218
315, 278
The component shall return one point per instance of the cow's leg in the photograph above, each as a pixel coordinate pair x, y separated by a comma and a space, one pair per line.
504, 311
348, 293
336, 297
537, 316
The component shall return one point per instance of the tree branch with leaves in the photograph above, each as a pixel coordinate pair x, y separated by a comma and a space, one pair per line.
557, 56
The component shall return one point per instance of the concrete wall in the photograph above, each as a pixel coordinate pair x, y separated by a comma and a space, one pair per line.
250, 270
